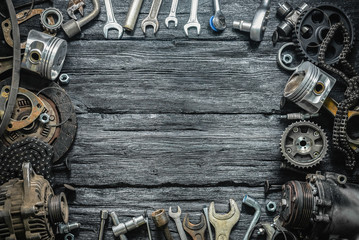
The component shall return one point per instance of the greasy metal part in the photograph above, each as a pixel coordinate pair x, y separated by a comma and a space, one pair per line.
312, 28
217, 21
111, 21
151, 19
132, 15
104, 217
123, 228
176, 216
193, 21
69, 236
64, 228
6, 25
247, 200
323, 205
206, 214
196, 231
257, 27
73, 27
308, 87
36, 104
30, 208
299, 116
304, 144
57, 17
161, 220
272, 232
64, 165
172, 16
75, 5
44, 55
287, 166
271, 207
280, 58
223, 223
290, 17
64, 79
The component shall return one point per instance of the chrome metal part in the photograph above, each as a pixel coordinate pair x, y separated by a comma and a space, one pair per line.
193, 21
75, 5
111, 21
56, 15
172, 16
304, 144
176, 216
123, 228
257, 27
271, 207
64, 228
64, 79
217, 21
104, 217
44, 118
151, 19
44, 54
73, 27
247, 200
285, 60
308, 87
132, 15
206, 214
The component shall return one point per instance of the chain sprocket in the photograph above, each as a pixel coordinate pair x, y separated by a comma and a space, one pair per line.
304, 144
312, 28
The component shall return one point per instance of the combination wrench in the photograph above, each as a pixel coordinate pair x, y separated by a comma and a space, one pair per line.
172, 16
177, 218
111, 21
218, 21
193, 21
151, 19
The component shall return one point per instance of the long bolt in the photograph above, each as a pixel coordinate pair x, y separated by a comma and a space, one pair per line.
104, 217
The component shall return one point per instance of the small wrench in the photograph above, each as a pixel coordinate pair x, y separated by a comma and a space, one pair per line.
172, 16
223, 223
218, 21
151, 19
111, 21
193, 21
177, 218
196, 231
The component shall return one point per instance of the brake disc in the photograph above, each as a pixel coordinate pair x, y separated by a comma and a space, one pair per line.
304, 144
313, 26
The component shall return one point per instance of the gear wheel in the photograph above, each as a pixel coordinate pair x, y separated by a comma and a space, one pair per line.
304, 144
313, 26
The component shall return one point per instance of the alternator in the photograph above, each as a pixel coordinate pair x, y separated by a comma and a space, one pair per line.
29, 209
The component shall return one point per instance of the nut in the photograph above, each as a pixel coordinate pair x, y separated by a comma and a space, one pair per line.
64, 79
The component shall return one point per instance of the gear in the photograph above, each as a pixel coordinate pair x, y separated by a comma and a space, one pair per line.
304, 144
313, 26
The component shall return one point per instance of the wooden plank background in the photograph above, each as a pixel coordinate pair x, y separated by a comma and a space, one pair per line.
168, 120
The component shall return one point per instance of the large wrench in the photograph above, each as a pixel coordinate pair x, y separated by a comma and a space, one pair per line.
111, 21
177, 218
151, 19
193, 21
172, 16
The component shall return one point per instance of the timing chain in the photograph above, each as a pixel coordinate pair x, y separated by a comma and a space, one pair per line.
340, 140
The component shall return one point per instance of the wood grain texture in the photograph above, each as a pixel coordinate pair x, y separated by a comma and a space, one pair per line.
168, 120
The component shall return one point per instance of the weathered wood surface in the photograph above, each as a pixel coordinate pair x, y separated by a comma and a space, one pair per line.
168, 120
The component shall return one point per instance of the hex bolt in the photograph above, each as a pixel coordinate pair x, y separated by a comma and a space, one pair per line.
161, 220
271, 207
64, 79
64, 228
287, 58
269, 187
104, 217
44, 118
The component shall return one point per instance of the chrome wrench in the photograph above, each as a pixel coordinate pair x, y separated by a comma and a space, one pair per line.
111, 21
151, 19
177, 218
217, 21
172, 16
193, 21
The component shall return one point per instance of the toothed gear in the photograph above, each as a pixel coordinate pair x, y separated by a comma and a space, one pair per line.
304, 144
312, 27
57, 17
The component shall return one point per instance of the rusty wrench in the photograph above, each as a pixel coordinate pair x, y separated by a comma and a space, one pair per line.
172, 16
196, 231
111, 21
177, 218
151, 19
223, 223
193, 21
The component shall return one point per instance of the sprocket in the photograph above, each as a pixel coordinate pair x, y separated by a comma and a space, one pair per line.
312, 27
304, 144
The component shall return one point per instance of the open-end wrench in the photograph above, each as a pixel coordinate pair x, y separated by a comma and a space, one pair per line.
111, 21
177, 218
193, 21
196, 231
223, 223
218, 21
172, 16
151, 19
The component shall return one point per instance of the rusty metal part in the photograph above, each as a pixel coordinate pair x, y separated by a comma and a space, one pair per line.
30, 209
37, 107
161, 220
75, 5
196, 231
223, 223
6, 25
